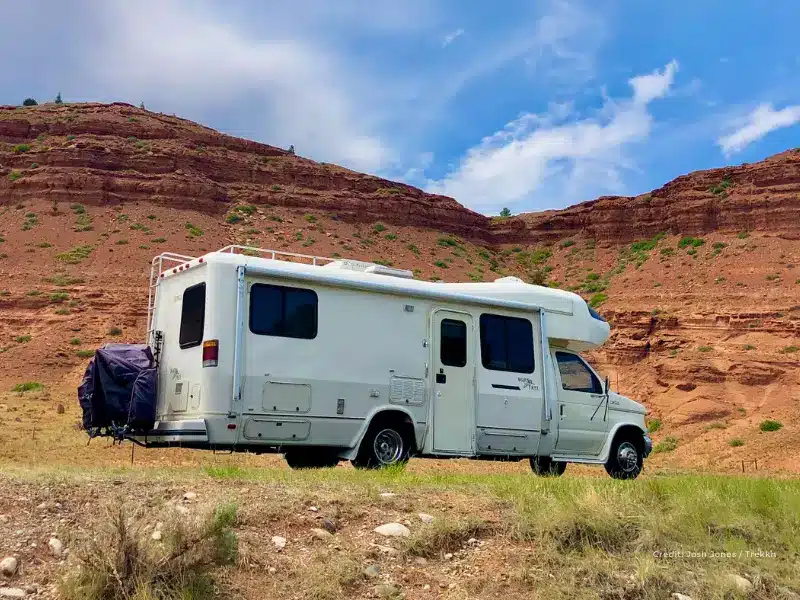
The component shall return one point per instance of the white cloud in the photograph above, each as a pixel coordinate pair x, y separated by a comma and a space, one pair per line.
557, 157
451, 37
761, 121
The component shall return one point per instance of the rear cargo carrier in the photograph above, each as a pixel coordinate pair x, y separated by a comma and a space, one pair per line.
118, 393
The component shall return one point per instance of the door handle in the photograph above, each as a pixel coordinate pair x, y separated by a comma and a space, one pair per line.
561, 410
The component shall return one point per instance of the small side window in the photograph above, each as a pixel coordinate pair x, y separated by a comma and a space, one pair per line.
575, 375
193, 316
453, 350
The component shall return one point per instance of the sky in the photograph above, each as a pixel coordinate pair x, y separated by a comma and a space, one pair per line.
529, 105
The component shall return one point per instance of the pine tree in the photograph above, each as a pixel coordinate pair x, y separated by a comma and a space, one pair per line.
29, 102
58, 99
505, 213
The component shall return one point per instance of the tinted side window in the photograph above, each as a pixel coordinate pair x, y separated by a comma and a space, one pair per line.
506, 344
575, 375
193, 314
453, 350
283, 311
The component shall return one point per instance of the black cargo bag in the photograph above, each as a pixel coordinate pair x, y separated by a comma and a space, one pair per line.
118, 391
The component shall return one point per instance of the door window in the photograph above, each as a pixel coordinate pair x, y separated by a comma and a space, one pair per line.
453, 350
576, 376
506, 344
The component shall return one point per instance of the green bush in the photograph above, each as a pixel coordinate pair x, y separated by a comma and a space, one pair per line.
76, 255
705, 349
115, 331
441, 264
743, 235
193, 231
413, 248
159, 240
14, 175
598, 299
84, 353
22, 339
567, 243
687, 241
653, 425
29, 102
28, 386
311, 218
447, 241
505, 213
789, 349
20, 148
770, 425
379, 227
736, 443
75, 342
233, 218
391, 237
668, 444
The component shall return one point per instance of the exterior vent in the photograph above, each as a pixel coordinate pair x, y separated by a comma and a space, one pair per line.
509, 279
367, 267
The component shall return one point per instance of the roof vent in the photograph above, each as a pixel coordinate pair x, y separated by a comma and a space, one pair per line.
509, 279
367, 267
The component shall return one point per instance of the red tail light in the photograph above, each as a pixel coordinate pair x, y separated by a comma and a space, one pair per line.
210, 353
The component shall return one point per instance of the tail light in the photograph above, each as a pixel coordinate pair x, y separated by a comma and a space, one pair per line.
210, 353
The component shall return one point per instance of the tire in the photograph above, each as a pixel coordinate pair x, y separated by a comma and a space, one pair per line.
544, 466
308, 459
626, 457
384, 444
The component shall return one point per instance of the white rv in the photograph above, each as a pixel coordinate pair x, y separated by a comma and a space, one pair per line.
327, 360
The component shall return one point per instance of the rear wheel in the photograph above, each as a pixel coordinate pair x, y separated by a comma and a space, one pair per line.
384, 444
625, 458
547, 467
309, 459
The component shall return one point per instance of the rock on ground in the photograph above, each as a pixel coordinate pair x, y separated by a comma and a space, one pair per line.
12, 593
372, 571
56, 547
8, 566
425, 518
279, 542
679, 596
393, 530
740, 583
321, 534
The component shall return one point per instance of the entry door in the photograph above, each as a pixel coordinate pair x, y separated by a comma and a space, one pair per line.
581, 424
453, 389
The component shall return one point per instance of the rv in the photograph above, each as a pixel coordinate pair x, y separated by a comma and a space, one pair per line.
326, 360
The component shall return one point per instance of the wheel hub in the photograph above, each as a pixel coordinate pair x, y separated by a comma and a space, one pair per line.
627, 457
388, 446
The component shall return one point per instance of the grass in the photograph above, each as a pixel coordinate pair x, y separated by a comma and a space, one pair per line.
690, 242
390, 236
122, 562
441, 264
23, 339
382, 262
772, 277
789, 349
115, 331
28, 386
413, 249
598, 299
310, 218
743, 235
159, 240
140, 227
721, 188
21, 148
75, 341
58, 297
749, 347
705, 349
379, 228
736, 443
233, 218
448, 241
84, 353
121, 242
770, 425
653, 425
193, 230
14, 176
75, 256
668, 444
64, 280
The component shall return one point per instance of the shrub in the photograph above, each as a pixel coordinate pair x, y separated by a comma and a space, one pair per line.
28, 386
34, 293
62, 280
78, 209
413, 248
233, 218
276, 188
159, 240
62, 311
653, 425
29, 102
152, 217
14, 175
705, 349
592, 276
391, 237
84, 353
447, 241
311, 218
70, 138
687, 241
75, 342
505, 213
193, 231
721, 187
736, 443
567, 243
668, 444
121, 242
770, 425
140, 227
379, 227
789, 349
772, 276
441, 264
58, 297
749, 347
76, 255
22, 339
743, 235
598, 299
380, 261
122, 562
115, 331
20, 148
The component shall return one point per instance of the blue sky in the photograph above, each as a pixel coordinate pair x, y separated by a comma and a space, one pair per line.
521, 104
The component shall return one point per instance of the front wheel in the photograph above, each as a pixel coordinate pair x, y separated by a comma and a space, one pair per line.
545, 466
382, 446
625, 459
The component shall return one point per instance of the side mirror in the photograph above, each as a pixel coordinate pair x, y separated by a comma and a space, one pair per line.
605, 386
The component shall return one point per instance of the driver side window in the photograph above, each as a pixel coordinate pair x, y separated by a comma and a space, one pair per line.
575, 375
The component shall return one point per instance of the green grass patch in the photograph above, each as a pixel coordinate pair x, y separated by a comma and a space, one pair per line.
379, 228
653, 425
413, 249
390, 236
770, 425
233, 218
23, 339
75, 341
721, 188
668, 444
789, 349
115, 331
193, 230
597, 299
84, 353
76, 255
705, 349
736, 443
28, 386
689, 241
441, 264
58, 297
21, 148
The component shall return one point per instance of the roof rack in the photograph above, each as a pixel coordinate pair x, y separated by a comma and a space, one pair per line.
277, 254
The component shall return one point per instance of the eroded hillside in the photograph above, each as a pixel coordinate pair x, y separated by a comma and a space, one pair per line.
698, 278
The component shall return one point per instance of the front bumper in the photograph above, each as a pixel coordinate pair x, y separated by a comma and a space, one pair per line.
648, 446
